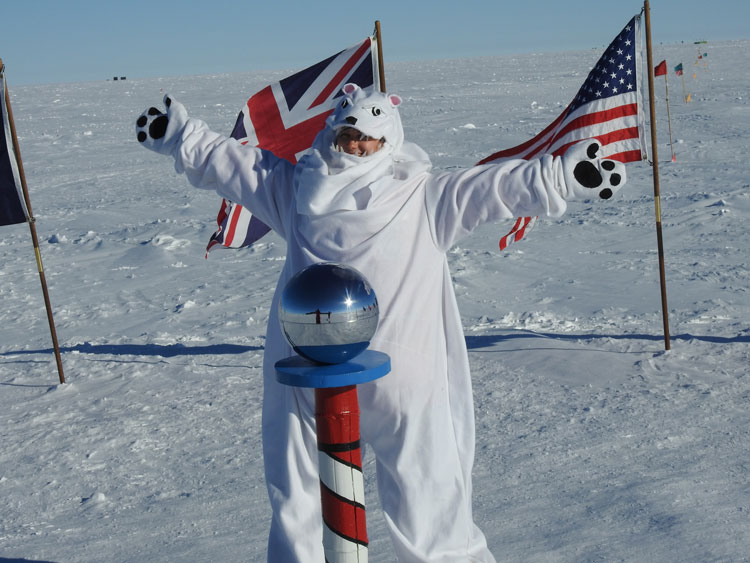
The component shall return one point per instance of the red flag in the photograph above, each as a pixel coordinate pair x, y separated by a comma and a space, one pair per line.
661, 69
285, 117
607, 108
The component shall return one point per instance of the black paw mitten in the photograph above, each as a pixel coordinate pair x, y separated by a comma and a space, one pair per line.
160, 131
587, 176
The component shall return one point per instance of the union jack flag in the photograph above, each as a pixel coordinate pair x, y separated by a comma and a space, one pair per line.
285, 117
608, 107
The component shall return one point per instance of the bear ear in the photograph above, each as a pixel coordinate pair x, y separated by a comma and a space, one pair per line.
395, 100
349, 88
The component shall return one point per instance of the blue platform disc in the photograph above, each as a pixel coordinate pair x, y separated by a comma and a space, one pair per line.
301, 372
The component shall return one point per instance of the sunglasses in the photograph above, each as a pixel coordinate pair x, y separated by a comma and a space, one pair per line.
348, 135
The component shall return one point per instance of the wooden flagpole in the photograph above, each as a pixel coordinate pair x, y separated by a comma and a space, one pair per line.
34, 237
655, 158
381, 68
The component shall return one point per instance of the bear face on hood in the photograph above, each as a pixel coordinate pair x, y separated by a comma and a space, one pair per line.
327, 180
373, 113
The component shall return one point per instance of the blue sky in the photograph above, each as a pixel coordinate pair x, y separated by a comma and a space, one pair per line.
45, 41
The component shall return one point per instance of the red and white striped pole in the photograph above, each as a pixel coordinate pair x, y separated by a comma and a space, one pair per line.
342, 491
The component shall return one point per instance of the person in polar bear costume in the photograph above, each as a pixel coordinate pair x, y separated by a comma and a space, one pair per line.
365, 197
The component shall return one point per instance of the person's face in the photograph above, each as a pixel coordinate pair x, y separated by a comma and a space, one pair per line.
353, 142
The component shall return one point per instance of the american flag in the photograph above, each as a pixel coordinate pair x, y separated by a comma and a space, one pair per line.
285, 117
12, 202
608, 107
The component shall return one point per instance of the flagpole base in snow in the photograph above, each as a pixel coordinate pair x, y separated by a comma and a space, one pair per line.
339, 452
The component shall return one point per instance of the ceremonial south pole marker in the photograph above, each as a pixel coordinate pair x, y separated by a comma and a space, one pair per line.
329, 313
300, 372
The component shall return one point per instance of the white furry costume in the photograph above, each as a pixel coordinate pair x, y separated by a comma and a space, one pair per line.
392, 219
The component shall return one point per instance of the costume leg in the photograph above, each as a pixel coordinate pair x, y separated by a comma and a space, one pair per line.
291, 466
423, 471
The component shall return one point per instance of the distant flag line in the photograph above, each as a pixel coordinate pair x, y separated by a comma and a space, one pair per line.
15, 205
661, 70
679, 70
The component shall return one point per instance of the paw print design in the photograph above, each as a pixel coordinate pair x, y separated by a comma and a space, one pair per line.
160, 131
151, 124
587, 175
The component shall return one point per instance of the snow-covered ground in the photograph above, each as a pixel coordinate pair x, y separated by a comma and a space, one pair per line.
594, 443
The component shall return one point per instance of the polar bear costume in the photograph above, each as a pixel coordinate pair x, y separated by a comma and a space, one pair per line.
391, 218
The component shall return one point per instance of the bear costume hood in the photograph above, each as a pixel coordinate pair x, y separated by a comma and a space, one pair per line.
327, 180
375, 114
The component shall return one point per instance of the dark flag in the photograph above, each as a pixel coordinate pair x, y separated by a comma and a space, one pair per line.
12, 206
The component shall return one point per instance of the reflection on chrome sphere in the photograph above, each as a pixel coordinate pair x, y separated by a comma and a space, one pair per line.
328, 312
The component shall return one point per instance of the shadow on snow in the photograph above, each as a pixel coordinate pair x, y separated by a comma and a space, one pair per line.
165, 351
485, 340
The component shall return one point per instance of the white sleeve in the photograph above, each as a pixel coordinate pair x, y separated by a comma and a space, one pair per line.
458, 202
254, 178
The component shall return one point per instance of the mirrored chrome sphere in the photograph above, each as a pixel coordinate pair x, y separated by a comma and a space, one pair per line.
329, 313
